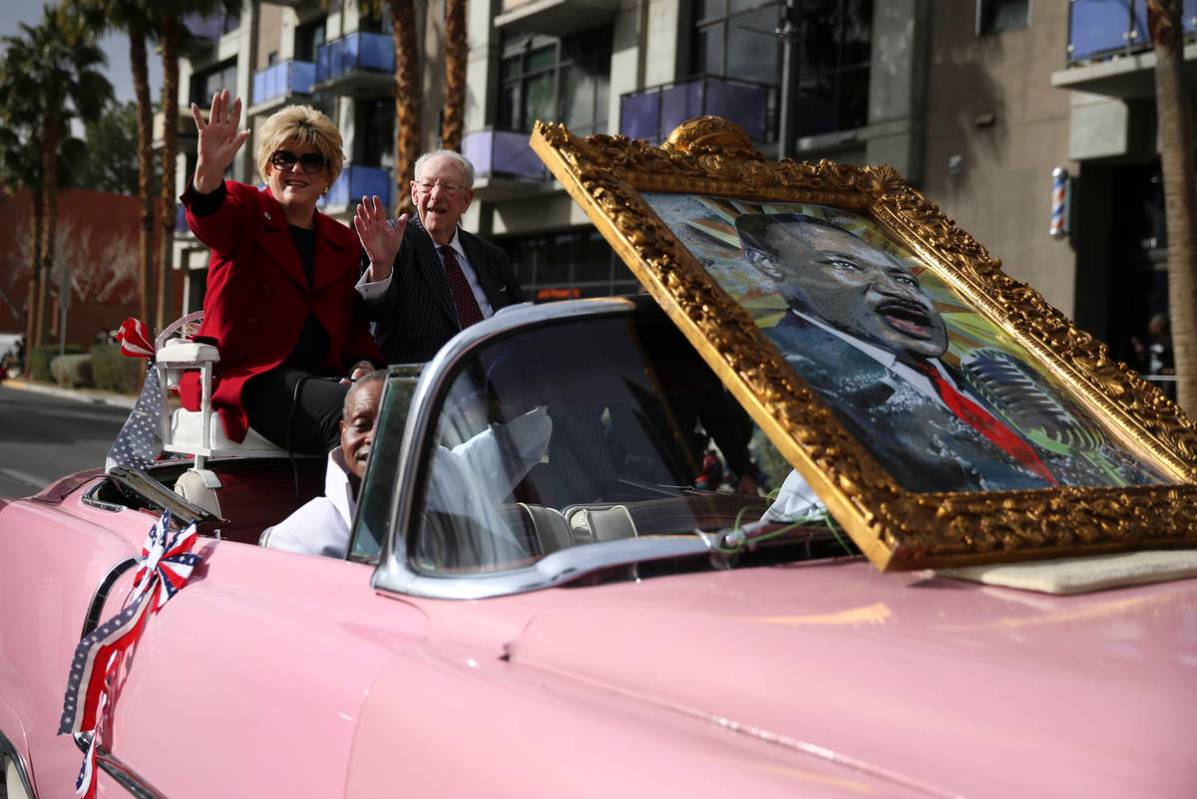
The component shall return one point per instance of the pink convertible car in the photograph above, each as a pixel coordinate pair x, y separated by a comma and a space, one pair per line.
557, 613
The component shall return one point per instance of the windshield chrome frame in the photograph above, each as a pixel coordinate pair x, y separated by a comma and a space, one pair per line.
395, 573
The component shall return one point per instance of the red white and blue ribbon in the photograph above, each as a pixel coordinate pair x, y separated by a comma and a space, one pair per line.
1061, 203
165, 565
135, 339
167, 558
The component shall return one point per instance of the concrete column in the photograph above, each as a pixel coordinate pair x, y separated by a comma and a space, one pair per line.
897, 85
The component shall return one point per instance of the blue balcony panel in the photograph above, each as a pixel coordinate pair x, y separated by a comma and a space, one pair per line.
502, 153
356, 181
209, 28
283, 79
357, 62
653, 113
1104, 28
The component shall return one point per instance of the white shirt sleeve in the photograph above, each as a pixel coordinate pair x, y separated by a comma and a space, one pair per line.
374, 290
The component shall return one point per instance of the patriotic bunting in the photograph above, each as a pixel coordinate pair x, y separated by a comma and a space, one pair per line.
165, 565
135, 339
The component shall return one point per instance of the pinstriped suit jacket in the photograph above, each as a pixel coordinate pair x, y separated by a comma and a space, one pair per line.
416, 315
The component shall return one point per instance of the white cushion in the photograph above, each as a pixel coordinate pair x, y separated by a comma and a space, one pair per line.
184, 353
186, 435
1078, 575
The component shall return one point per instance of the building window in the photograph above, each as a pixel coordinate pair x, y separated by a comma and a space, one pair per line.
561, 80
205, 84
308, 38
567, 264
736, 39
995, 16
374, 132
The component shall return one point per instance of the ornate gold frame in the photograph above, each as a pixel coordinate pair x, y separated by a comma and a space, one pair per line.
895, 528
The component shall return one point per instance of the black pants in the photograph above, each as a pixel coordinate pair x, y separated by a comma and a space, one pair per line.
295, 409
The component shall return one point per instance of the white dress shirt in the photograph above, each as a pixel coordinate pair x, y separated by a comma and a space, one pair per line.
321, 527
377, 288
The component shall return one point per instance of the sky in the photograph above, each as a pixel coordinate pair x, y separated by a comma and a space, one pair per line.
116, 47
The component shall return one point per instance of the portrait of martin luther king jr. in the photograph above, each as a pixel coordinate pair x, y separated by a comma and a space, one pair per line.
861, 332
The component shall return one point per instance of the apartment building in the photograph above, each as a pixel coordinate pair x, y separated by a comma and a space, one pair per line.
976, 102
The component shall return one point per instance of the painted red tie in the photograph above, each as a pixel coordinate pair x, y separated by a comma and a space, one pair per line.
468, 311
986, 424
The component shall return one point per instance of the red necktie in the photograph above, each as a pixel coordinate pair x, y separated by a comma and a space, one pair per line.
986, 424
468, 311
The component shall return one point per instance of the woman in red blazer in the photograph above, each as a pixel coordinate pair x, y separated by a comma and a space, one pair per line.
280, 302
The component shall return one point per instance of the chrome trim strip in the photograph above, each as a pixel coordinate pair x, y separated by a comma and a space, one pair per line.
394, 572
90, 499
8, 751
92, 619
116, 768
559, 568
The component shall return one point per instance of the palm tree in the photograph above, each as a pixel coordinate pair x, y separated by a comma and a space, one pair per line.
456, 54
52, 75
408, 90
135, 18
21, 167
171, 33
1176, 161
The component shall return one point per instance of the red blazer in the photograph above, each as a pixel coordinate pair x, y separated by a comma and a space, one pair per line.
258, 296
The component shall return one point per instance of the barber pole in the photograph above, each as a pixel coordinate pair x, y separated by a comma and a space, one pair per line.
1061, 203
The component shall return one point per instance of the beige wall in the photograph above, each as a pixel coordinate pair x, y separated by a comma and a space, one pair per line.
1002, 192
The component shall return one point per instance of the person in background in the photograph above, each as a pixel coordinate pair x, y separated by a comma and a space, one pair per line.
280, 303
442, 279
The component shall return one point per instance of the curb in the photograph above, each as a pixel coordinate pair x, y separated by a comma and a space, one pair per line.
78, 395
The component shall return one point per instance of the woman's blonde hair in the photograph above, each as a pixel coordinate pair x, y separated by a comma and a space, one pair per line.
306, 125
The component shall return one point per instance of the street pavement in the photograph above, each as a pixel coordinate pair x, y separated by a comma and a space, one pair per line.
43, 437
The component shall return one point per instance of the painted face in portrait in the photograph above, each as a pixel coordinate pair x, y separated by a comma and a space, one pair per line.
358, 423
831, 274
441, 196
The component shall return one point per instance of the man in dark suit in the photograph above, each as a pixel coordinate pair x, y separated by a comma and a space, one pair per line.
862, 334
442, 279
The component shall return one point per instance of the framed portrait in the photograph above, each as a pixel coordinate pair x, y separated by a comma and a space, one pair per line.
943, 411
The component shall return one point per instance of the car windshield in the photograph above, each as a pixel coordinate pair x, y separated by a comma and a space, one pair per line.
597, 429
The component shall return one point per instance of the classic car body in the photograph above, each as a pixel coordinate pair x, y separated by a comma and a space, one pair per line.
652, 663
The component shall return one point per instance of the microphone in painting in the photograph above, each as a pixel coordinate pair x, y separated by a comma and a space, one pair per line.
1021, 398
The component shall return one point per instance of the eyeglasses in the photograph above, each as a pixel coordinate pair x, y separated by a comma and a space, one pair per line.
311, 163
426, 186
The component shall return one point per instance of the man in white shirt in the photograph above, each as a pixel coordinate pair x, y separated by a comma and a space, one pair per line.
427, 278
467, 483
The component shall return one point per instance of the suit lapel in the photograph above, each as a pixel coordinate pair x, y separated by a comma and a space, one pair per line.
276, 239
429, 265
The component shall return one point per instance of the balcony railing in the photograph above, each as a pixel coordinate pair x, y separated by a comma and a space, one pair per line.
355, 182
653, 113
1100, 29
210, 28
357, 52
283, 79
502, 153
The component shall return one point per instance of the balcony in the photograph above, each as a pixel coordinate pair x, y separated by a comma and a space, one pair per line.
1109, 47
204, 31
276, 84
554, 17
653, 113
355, 182
504, 165
358, 65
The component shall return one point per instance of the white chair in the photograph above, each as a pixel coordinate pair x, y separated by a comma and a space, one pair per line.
198, 433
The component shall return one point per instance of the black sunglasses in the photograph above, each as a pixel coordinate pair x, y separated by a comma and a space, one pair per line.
311, 163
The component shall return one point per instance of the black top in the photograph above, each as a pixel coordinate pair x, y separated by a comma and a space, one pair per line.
312, 345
